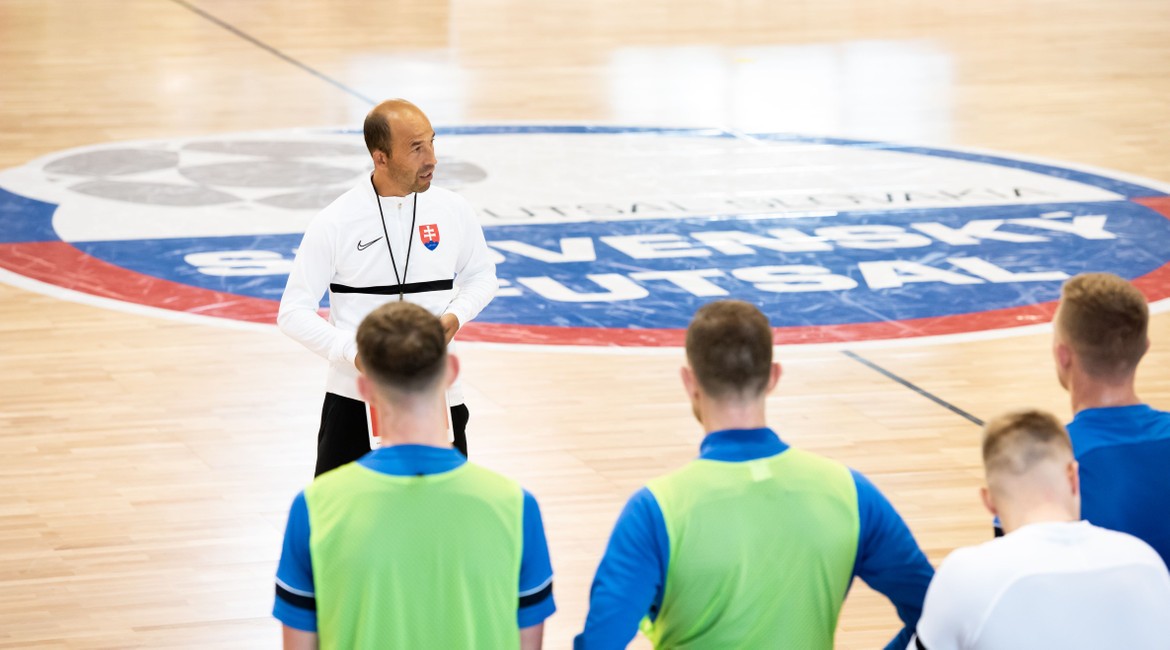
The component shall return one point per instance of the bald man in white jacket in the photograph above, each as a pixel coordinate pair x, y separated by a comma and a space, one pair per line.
391, 237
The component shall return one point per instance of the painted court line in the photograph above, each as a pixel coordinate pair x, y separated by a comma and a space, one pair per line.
275, 52
927, 394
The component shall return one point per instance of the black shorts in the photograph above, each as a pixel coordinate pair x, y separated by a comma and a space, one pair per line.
344, 434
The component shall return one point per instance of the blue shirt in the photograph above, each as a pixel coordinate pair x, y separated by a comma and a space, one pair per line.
1124, 457
629, 582
295, 604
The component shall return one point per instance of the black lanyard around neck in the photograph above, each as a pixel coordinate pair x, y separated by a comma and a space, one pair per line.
409, 240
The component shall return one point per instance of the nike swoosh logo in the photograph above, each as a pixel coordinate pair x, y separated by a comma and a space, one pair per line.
362, 247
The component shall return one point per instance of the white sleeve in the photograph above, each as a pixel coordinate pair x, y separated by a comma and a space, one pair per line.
475, 272
952, 609
311, 273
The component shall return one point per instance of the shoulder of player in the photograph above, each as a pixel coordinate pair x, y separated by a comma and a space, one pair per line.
1031, 549
965, 586
1126, 546
1096, 428
983, 564
492, 476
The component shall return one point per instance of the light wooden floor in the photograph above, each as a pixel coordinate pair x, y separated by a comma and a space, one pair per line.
147, 465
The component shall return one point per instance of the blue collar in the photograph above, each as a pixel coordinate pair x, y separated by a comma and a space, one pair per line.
412, 460
1108, 426
732, 445
1111, 412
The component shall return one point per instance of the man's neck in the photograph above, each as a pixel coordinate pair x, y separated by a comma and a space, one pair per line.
1045, 512
403, 436
384, 187
721, 416
414, 424
1087, 393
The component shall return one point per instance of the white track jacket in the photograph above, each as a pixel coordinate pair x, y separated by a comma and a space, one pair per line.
344, 252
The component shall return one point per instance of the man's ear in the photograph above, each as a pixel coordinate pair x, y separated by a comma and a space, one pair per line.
1062, 354
452, 369
1074, 477
774, 377
985, 495
365, 389
380, 158
690, 384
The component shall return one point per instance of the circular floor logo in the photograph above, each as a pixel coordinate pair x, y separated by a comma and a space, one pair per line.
607, 235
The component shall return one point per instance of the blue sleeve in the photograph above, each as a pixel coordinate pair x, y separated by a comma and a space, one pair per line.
536, 591
888, 558
296, 603
629, 582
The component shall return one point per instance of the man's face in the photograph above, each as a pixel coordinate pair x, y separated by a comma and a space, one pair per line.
411, 163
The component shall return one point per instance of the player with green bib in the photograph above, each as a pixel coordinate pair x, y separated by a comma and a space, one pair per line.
754, 544
411, 546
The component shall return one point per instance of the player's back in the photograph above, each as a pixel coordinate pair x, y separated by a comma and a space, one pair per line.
761, 552
431, 560
1124, 457
1067, 585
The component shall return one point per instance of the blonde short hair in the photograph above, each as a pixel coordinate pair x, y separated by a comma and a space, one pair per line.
1016, 442
1104, 319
